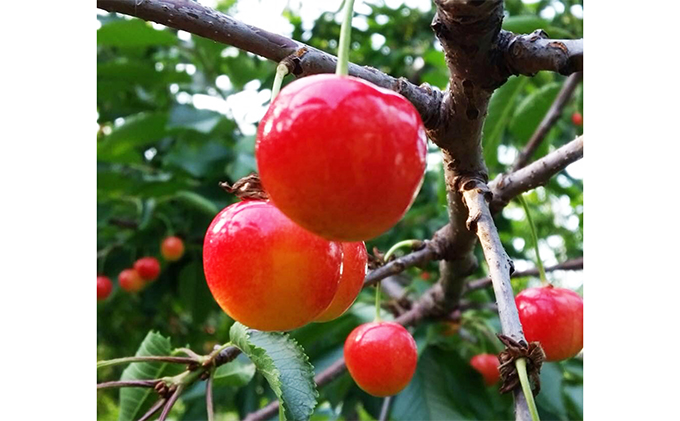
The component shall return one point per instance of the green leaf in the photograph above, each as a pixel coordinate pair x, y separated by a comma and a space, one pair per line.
235, 374
284, 364
498, 116
133, 400
551, 390
524, 24
133, 33
197, 201
531, 111
194, 292
138, 130
202, 121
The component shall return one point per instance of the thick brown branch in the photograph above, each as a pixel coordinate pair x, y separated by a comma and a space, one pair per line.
506, 186
529, 54
548, 121
303, 60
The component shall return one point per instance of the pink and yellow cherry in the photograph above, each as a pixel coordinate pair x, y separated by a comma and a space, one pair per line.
341, 157
487, 366
381, 357
104, 288
354, 262
130, 280
267, 272
553, 317
148, 268
172, 248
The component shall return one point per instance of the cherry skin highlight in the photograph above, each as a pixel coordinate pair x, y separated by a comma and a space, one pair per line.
553, 317
487, 366
104, 288
148, 268
381, 357
172, 249
354, 262
340, 156
130, 280
267, 272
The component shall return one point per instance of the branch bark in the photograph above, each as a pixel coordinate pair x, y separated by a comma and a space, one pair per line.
529, 54
301, 59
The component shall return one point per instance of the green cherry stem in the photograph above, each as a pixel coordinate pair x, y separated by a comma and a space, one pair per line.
342, 68
521, 364
377, 302
397, 246
539, 261
281, 72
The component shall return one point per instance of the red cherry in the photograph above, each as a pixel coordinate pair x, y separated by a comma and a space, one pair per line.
425, 276
148, 268
267, 272
130, 280
354, 262
340, 156
577, 119
104, 288
553, 317
172, 249
487, 365
381, 357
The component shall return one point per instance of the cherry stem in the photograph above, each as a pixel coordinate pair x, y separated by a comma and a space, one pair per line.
168, 225
521, 364
377, 302
281, 72
539, 262
397, 246
342, 68
126, 360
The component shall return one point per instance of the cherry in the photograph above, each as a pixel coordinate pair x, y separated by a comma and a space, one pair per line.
577, 119
104, 288
553, 317
130, 280
267, 272
381, 357
148, 268
487, 365
354, 262
172, 249
340, 156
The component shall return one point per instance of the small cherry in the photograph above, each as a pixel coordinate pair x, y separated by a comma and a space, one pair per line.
577, 119
148, 268
487, 366
266, 271
172, 248
354, 262
130, 280
104, 288
554, 317
381, 357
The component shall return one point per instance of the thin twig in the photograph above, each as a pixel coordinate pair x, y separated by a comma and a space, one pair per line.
171, 402
128, 383
549, 120
573, 264
149, 358
385, 410
209, 398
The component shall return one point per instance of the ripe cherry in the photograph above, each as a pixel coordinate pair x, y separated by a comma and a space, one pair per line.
381, 357
148, 268
487, 365
577, 119
104, 288
130, 280
354, 261
172, 249
340, 156
553, 317
267, 272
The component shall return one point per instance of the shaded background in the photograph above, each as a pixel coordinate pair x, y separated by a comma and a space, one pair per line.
177, 113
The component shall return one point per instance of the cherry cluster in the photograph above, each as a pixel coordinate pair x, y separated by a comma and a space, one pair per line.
143, 271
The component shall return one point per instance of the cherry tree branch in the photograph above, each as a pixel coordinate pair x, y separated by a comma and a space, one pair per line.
549, 120
301, 59
529, 54
506, 186
573, 264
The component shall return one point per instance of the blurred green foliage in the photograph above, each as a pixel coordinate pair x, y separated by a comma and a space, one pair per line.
174, 120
